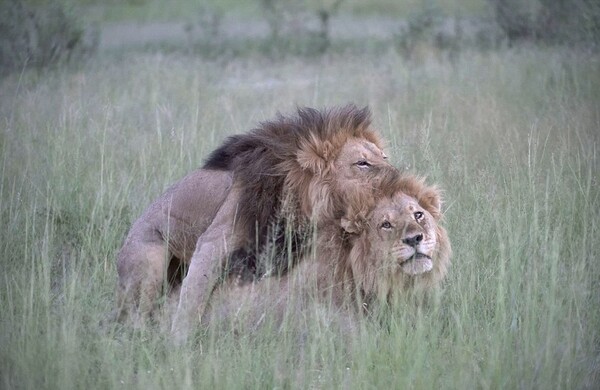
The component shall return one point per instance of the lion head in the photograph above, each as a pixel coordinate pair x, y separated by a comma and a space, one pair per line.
396, 242
345, 154
312, 157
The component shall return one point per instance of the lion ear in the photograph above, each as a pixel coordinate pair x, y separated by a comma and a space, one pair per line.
431, 200
311, 161
350, 226
314, 155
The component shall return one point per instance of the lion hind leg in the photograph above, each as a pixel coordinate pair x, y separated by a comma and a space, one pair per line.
142, 270
207, 264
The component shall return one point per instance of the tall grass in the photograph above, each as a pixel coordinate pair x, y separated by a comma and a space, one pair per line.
511, 136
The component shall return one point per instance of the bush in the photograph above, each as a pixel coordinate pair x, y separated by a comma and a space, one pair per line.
551, 21
418, 31
40, 35
430, 32
292, 25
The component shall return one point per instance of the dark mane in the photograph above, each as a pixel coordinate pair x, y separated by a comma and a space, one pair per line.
266, 167
282, 137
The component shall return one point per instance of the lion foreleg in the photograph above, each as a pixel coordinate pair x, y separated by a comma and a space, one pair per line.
207, 264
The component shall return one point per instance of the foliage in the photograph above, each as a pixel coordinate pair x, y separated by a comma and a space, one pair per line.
563, 21
40, 35
299, 15
431, 31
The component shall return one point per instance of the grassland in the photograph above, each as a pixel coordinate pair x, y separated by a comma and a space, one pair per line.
511, 135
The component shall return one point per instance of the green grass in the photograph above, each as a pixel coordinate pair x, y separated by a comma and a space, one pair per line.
511, 136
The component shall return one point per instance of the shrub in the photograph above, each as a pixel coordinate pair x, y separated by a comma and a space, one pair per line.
205, 32
419, 30
551, 21
291, 25
40, 35
429, 32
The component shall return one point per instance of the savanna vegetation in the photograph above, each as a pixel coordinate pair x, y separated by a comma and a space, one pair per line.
501, 109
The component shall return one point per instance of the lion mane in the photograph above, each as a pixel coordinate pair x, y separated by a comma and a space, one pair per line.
284, 168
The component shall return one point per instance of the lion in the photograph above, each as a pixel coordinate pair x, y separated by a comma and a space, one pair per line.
384, 245
289, 174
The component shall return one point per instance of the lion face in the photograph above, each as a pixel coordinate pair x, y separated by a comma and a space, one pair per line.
403, 234
331, 174
358, 160
395, 241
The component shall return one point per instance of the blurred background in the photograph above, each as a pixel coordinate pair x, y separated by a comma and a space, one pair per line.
42, 32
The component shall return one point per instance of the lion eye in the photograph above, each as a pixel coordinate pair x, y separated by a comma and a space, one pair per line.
363, 164
386, 225
418, 215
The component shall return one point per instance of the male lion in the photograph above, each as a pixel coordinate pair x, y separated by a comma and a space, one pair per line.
285, 175
383, 246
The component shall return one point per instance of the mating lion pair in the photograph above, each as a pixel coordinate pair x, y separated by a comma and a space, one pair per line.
320, 178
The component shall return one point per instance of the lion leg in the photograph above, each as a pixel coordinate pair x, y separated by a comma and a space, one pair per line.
141, 267
207, 264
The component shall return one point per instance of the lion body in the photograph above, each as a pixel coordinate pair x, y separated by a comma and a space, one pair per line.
356, 262
287, 175
183, 212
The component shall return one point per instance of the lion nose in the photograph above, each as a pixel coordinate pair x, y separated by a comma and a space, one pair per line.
413, 240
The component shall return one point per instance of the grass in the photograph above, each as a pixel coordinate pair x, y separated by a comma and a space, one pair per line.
511, 136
